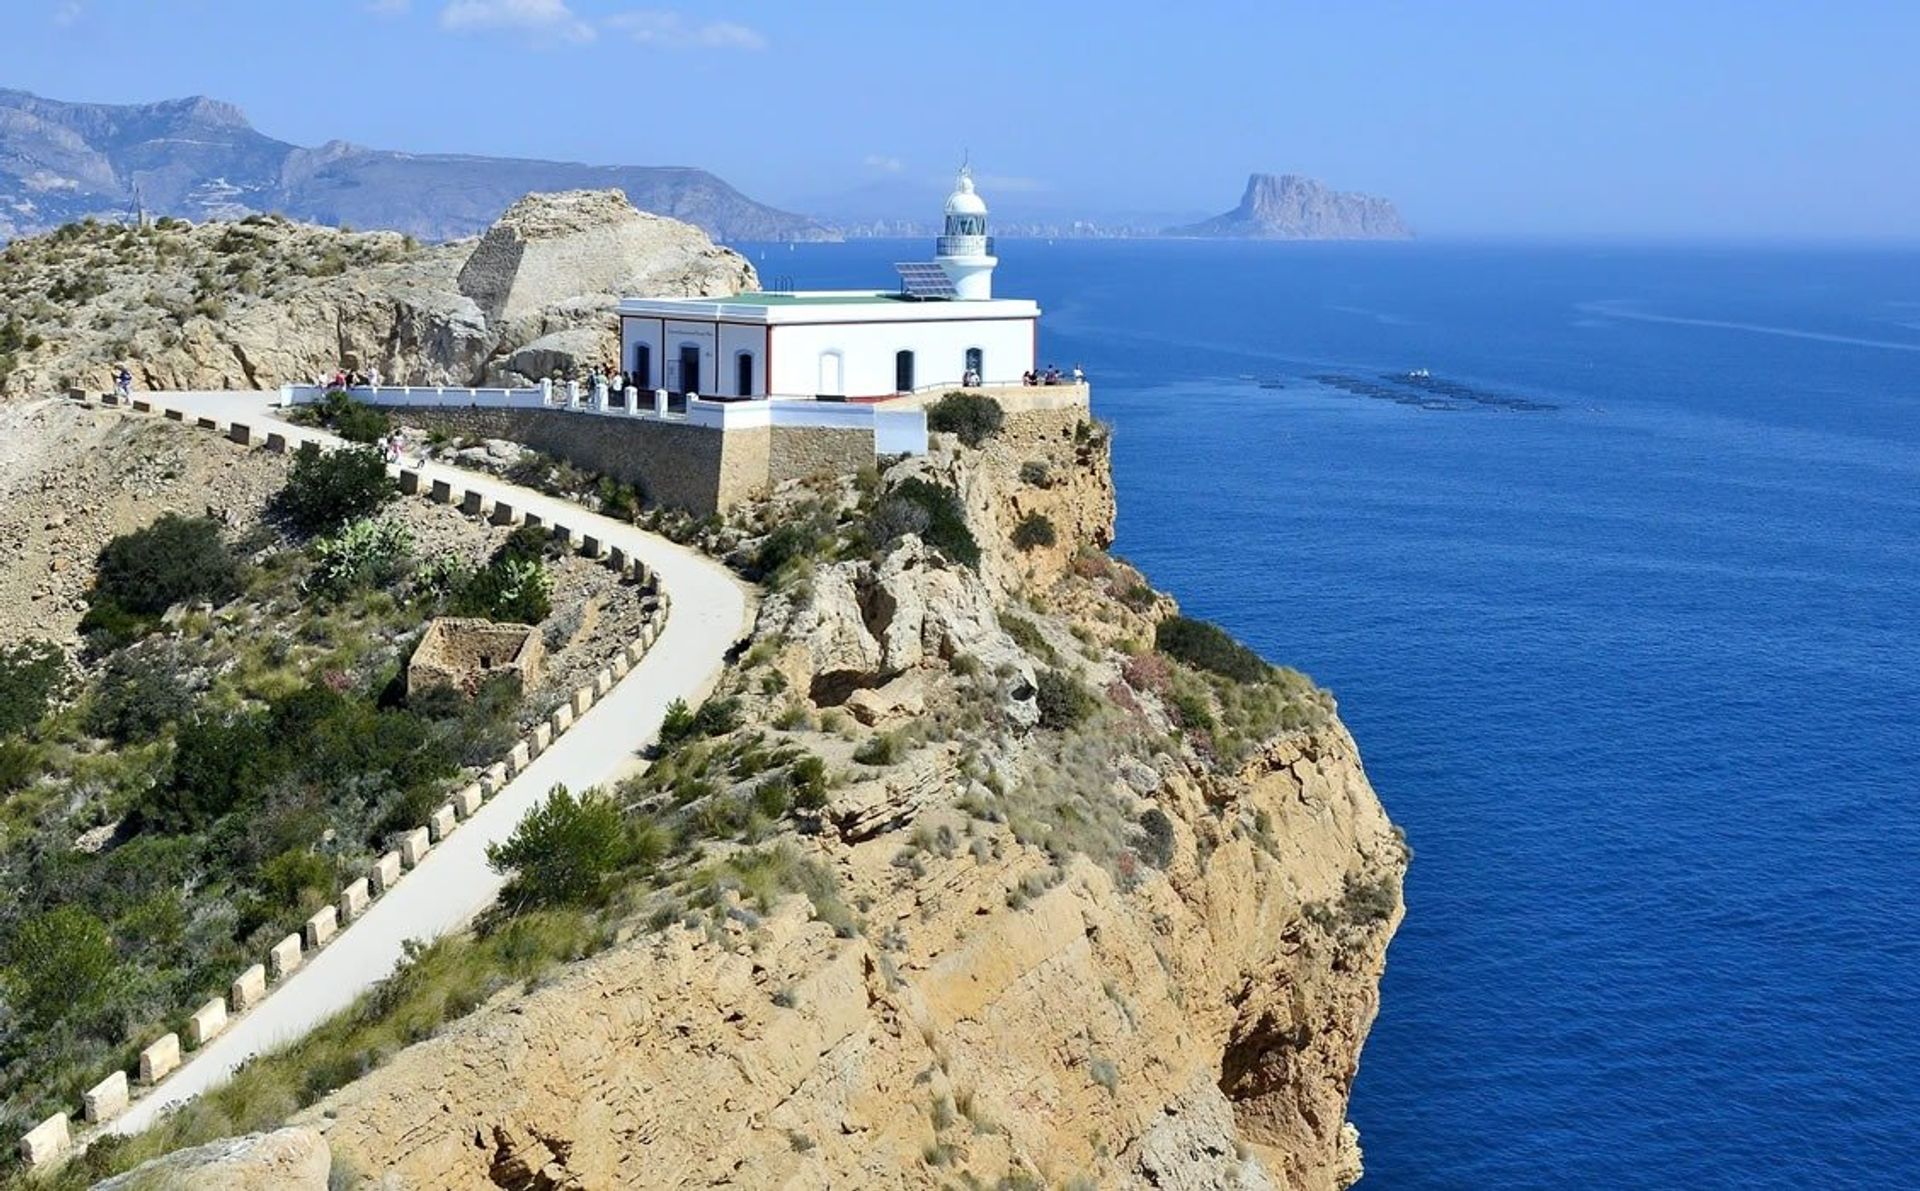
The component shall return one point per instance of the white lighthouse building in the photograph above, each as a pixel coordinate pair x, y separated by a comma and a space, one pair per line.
940, 326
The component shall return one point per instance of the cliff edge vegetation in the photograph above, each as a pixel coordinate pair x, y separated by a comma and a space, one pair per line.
983, 866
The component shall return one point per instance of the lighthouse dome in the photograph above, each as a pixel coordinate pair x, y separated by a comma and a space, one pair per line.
963, 200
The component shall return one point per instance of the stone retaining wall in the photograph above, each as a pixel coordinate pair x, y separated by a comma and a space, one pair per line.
698, 468
49, 1142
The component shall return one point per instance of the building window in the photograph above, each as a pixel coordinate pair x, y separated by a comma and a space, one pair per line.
743, 373
642, 377
903, 371
975, 366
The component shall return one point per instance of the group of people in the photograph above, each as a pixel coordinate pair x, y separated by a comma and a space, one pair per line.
343, 379
1053, 376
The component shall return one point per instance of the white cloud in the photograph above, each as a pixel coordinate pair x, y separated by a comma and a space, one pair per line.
885, 163
66, 12
543, 18
670, 30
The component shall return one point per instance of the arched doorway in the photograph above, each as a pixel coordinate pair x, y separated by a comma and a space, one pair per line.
831, 382
642, 378
689, 368
743, 374
903, 371
976, 363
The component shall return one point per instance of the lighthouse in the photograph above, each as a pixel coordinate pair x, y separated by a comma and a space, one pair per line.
964, 251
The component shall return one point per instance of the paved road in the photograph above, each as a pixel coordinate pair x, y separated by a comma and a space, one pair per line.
453, 883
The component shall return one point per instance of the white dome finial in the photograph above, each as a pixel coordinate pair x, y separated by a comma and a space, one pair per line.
963, 200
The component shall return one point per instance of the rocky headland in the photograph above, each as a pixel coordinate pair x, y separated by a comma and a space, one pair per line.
262, 301
1292, 207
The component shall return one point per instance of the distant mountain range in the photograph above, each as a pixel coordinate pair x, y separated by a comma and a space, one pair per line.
1291, 207
200, 159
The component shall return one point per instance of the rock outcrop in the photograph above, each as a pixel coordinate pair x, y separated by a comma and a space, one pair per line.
263, 301
1107, 955
1292, 207
295, 1159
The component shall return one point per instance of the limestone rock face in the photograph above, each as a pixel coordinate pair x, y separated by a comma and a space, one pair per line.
548, 248
294, 1159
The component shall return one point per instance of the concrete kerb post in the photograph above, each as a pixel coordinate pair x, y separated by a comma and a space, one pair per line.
561, 719
159, 1059
582, 700
320, 928
284, 958
442, 823
353, 899
633, 400
409, 482
620, 666
174, 415
534, 521
542, 737
659, 403
503, 513
442, 493
206, 423
385, 872
47, 1141
591, 547
617, 559
602, 682
106, 1099
467, 802
520, 758
207, 1022
563, 536
475, 504
241, 433
248, 989
142, 406
414, 847
494, 780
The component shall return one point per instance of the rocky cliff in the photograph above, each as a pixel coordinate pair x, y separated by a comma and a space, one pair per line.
1069, 909
199, 159
1291, 207
261, 301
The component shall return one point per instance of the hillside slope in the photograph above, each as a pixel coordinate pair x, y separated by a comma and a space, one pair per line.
1292, 207
199, 158
262, 301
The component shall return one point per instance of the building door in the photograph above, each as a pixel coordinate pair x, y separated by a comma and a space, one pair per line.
743, 368
689, 368
903, 372
642, 377
831, 384
976, 363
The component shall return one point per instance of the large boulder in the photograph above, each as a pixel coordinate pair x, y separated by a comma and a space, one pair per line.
295, 1159
548, 248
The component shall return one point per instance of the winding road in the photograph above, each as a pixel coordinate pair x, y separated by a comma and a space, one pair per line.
453, 883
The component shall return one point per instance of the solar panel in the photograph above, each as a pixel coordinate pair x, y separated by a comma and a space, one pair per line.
924, 279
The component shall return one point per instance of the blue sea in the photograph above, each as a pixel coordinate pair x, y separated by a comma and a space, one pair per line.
1623, 606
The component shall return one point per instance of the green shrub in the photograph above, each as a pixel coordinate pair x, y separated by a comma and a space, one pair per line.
1034, 531
364, 553
516, 590
1036, 473
175, 559
1208, 647
970, 417
353, 420
1027, 636
933, 511
20, 763
886, 748
31, 675
715, 717
564, 851
1062, 699
327, 489
136, 696
60, 966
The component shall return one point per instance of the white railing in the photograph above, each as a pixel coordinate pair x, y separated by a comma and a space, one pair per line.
901, 431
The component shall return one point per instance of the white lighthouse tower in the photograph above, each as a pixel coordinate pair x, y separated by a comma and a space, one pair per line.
965, 251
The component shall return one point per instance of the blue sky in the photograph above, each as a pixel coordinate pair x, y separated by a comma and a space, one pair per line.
1682, 119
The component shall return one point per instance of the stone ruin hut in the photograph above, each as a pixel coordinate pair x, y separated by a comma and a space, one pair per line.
463, 653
